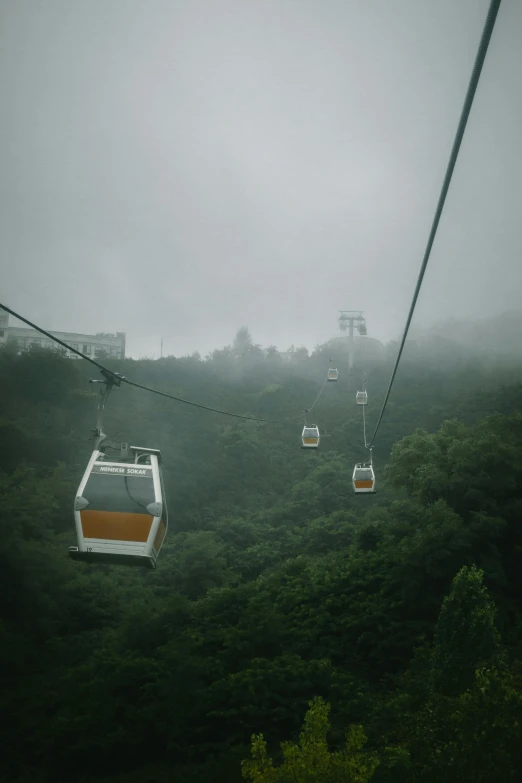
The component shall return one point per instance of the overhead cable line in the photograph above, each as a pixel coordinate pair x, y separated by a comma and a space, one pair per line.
215, 410
56, 339
364, 426
116, 378
466, 109
312, 406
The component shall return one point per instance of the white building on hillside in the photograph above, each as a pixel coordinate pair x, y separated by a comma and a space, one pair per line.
4, 323
92, 345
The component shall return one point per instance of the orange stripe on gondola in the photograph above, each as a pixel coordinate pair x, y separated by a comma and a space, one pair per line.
364, 484
310, 440
160, 535
116, 525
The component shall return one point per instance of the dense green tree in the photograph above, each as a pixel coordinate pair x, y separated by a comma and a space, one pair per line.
276, 583
474, 469
310, 759
465, 634
242, 342
459, 709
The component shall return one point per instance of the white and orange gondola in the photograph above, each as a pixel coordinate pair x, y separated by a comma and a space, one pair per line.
310, 437
120, 510
363, 478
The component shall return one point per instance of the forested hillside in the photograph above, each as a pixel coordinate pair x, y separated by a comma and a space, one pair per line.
393, 622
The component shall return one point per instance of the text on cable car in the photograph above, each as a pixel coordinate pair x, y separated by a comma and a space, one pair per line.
122, 471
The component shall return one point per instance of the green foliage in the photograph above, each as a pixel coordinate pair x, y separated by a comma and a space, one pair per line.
459, 708
310, 759
275, 584
473, 736
475, 468
465, 634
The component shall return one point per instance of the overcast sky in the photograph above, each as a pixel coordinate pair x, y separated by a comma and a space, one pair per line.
180, 168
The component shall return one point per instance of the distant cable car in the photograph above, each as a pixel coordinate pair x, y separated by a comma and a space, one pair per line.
310, 437
363, 478
362, 329
120, 510
361, 398
333, 374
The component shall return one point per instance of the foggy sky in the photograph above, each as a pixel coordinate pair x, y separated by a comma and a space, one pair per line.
180, 168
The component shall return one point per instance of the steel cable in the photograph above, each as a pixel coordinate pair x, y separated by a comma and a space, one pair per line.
466, 109
117, 378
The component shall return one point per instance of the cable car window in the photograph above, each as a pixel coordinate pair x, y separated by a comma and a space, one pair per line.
119, 492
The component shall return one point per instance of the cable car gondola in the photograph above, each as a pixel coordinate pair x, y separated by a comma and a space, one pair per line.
310, 437
120, 510
361, 398
333, 374
363, 478
362, 329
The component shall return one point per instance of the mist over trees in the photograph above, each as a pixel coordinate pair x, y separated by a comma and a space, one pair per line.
292, 630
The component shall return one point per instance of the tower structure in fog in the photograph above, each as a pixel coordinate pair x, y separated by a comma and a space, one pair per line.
349, 320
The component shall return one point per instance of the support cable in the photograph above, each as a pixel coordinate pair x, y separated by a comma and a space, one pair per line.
320, 391
466, 109
112, 377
